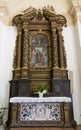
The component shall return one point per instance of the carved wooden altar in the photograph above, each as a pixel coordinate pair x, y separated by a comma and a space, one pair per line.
40, 58
43, 112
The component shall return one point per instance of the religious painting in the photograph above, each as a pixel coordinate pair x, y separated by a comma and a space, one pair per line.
39, 50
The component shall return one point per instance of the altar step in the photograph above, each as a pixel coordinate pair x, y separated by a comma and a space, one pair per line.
78, 127
37, 128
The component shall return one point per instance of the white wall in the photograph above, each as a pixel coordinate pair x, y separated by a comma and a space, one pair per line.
79, 28
7, 44
78, 42
78, 49
72, 66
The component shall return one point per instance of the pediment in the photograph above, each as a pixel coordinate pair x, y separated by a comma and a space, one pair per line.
45, 14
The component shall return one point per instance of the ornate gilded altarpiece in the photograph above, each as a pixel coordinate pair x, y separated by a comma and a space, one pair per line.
40, 57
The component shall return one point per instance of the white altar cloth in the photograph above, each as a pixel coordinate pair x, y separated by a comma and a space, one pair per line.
37, 99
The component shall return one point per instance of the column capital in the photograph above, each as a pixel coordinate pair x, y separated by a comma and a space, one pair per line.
77, 5
59, 28
25, 26
53, 25
75, 11
19, 27
4, 12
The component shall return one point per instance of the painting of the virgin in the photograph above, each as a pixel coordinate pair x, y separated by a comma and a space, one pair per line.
39, 50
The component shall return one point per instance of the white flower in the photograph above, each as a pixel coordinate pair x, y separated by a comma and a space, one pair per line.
39, 92
44, 91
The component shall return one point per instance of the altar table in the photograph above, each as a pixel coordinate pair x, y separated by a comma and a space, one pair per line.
35, 111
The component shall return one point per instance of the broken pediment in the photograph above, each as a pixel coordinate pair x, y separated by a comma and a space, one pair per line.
45, 14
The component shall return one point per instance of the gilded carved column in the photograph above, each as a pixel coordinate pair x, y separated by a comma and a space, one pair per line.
19, 28
25, 46
17, 53
54, 46
24, 71
61, 54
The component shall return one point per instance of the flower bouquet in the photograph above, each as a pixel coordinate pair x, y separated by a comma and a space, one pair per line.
41, 90
3, 113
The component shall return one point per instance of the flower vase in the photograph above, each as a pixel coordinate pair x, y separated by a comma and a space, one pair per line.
40, 95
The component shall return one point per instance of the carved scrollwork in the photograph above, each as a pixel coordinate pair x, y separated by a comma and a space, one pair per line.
17, 19
57, 73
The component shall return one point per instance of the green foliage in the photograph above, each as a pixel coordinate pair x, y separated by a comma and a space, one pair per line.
40, 88
3, 111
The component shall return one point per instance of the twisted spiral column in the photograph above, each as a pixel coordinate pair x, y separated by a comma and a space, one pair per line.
25, 47
54, 46
61, 53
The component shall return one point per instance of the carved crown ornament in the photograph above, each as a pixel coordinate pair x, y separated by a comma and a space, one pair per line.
41, 14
